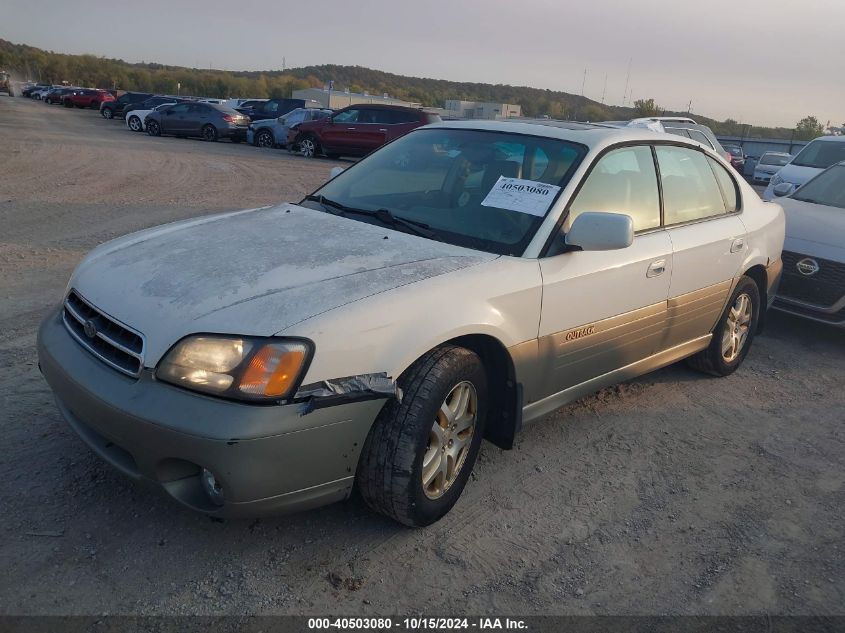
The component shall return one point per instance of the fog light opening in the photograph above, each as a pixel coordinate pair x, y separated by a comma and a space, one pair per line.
212, 487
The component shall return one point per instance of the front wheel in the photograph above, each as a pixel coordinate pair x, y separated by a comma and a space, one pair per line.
734, 333
135, 124
153, 128
264, 139
209, 133
420, 452
308, 146
107, 113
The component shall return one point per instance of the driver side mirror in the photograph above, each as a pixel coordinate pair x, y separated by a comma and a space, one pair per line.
782, 189
599, 231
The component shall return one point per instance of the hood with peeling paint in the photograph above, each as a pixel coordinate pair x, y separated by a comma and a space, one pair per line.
253, 272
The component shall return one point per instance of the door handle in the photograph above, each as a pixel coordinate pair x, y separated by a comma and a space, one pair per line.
657, 268
737, 245
350, 128
382, 129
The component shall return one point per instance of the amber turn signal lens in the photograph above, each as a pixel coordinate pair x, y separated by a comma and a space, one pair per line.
272, 371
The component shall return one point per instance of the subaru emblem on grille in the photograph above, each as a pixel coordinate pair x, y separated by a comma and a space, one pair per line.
90, 329
807, 266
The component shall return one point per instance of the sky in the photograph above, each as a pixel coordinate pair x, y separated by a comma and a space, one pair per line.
767, 62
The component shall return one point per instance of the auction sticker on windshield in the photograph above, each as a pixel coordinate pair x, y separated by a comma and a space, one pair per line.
524, 196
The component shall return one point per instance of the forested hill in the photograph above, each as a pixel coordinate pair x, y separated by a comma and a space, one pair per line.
28, 62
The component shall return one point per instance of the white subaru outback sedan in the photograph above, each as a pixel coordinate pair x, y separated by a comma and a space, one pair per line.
461, 281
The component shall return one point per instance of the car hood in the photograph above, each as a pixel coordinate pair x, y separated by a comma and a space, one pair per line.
797, 175
814, 229
253, 272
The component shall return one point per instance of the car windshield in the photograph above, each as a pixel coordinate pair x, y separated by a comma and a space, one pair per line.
449, 181
774, 159
821, 154
828, 188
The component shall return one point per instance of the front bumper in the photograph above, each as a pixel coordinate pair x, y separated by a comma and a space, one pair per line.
269, 459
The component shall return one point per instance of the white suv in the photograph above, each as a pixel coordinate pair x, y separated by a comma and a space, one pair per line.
463, 280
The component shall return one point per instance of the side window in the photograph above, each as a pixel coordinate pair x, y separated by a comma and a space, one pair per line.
700, 137
370, 116
179, 109
690, 190
271, 107
677, 131
623, 181
347, 116
729, 189
397, 117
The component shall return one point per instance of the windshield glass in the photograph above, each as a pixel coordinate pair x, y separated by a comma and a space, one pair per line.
443, 178
827, 188
821, 154
774, 159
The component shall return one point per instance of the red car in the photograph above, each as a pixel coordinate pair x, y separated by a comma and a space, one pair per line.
86, 98
356, 130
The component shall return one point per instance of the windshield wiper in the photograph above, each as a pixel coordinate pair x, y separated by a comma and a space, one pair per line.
384, 216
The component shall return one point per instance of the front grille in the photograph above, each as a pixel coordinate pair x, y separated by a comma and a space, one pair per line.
112, 342
823, 289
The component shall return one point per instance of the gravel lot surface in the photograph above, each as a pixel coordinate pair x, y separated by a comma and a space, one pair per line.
676, 493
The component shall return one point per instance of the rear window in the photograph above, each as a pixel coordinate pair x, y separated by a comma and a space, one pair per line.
774, 159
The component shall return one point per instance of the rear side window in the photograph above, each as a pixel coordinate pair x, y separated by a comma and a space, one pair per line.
396, 117
677, 131
690, 189
700, 137
727, 184
623, 181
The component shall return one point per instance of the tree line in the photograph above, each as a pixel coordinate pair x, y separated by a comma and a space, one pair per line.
30, 63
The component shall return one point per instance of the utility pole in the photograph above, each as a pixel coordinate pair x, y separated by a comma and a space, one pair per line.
627, 80
283, 65
689, 107
604, 90
584, 81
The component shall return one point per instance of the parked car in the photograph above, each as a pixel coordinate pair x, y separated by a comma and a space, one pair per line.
700, 133
149, 104
111, 109
274, 132
768, 165
737, 156
357, 130
274, 359
813, 283
28, 91
207, 120
42, 92
273, 108
136, 120
56, 95
815, 157
86, 98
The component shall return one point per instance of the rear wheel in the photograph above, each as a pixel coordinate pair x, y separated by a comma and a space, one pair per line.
153, 128
264, 139
308, 146
420, 452
734, 333
209, 133
135, 123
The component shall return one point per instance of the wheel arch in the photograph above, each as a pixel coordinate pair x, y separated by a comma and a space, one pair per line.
759, 275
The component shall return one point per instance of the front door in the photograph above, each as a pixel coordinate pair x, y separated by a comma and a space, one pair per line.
173, 119
603, 310
336, 135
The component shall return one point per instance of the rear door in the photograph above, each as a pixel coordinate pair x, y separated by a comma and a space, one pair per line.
700, 203
400, 122
603, 310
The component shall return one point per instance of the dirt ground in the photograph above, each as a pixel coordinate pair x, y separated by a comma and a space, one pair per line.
673, 494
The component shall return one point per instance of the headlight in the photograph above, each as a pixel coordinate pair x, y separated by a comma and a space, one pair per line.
776, 180
256, 369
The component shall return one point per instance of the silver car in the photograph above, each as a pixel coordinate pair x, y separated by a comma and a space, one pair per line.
274, 132
770, 164
813, 284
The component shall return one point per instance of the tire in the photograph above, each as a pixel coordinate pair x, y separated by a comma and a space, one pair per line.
107, 113
153, 128
135, 124
406, 434
264, 139
209, 133
308, 146
733, 334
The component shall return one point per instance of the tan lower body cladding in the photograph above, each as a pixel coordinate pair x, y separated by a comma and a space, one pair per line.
563, 361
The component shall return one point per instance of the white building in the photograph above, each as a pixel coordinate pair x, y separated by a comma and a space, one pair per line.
481, 109
337, 99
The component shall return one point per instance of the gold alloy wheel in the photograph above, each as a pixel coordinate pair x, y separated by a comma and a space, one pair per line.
736, 328
449, 440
